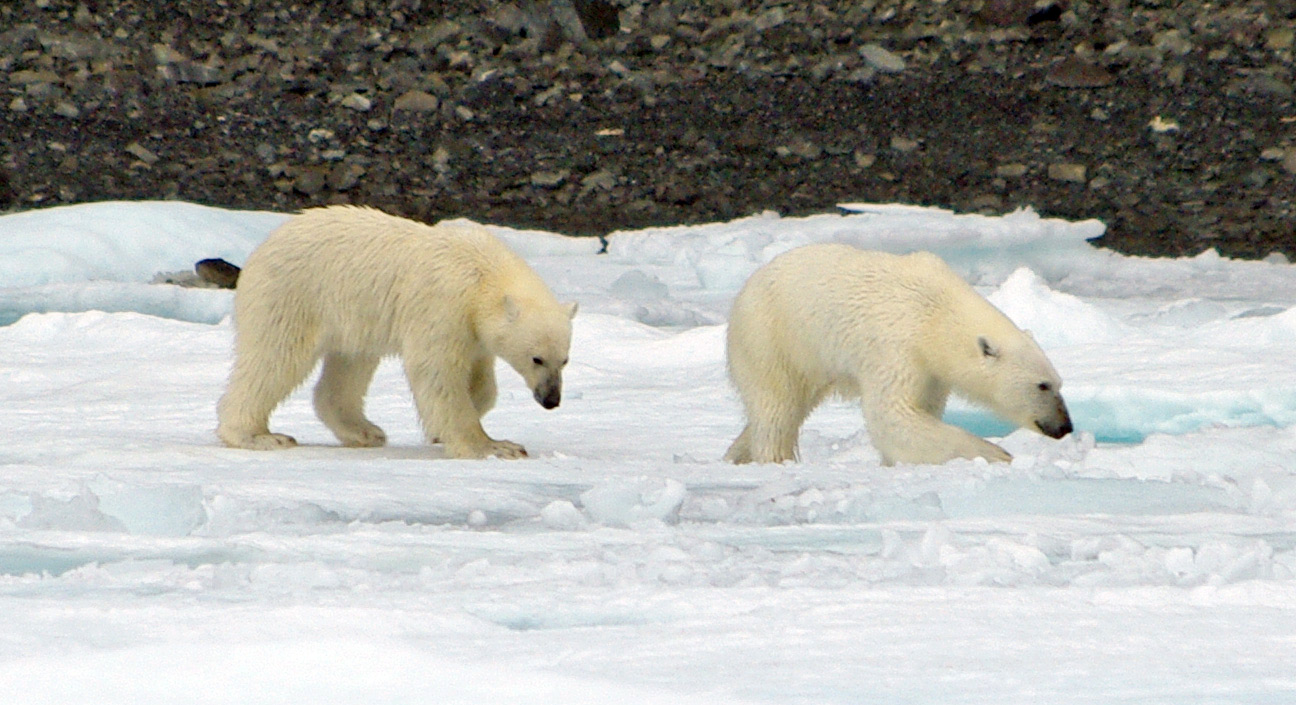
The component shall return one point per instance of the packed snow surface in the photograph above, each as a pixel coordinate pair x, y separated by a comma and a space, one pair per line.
1148, 558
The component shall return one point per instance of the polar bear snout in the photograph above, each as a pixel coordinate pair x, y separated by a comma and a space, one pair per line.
548, 394
1056, 425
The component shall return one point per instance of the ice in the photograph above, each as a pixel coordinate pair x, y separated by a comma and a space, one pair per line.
628, 503
331, 670
1055, 319
1149, 557
78, 513
637, 285
122, 242
185, 304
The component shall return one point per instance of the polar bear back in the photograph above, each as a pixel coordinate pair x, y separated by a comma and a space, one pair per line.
841, 307
396, 273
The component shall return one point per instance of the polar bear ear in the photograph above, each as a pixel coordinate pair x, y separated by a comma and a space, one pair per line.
987, 348
571, 307
511, 310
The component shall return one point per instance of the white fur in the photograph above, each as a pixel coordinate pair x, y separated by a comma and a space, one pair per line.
899, 333
353, 285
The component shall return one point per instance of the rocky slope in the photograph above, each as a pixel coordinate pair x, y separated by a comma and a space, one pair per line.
1173, 121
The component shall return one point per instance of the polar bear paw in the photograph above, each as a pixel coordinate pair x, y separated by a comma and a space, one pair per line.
506, 450
366, 435
259, 441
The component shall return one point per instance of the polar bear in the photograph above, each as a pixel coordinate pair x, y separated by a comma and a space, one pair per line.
899, 333
352, 285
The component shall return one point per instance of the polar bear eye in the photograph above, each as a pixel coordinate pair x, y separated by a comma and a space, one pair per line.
539, 361
1045, 387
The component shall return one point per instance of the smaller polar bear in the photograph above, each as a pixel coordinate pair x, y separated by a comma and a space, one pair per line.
900, 333
353, 285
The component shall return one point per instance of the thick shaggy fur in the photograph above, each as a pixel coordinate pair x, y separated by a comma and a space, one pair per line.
351, 285
899, 333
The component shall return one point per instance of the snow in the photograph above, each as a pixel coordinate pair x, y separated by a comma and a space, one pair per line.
1148, 558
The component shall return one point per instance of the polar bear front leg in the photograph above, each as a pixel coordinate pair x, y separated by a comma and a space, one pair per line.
921, 439
339, 399
448, 414
481, 386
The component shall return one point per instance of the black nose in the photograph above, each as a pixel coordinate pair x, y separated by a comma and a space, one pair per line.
550, 400
1057, 431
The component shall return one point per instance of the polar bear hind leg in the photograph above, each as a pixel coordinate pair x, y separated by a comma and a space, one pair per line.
777, 401
253, 393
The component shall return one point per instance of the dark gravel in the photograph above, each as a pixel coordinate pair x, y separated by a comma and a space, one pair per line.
1172, 121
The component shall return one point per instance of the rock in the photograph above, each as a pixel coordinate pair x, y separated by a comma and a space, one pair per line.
1258, 178
344, 176
661, 17
66, 109
1162, 125
1173, 41
142, 153
218, 273
164, 54
1280, 39
863, 74
417, 102
28, 77
881, 59
599, 18
1289, 161
191, 72
801, 148
357, 102
786, 110
769, 19
1071, 172
1006, 13
509, 18
904, 144
864, 159
602, 180
1074, 72
1267, 84
77, 46
431, 37
310, 180
550, 179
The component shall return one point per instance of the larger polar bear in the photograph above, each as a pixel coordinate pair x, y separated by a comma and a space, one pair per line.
900, 333
352, 285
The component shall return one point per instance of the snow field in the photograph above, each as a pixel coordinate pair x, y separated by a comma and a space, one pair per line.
1148, 558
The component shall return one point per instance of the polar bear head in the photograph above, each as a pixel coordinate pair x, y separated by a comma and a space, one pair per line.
1021, 384
533, 336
